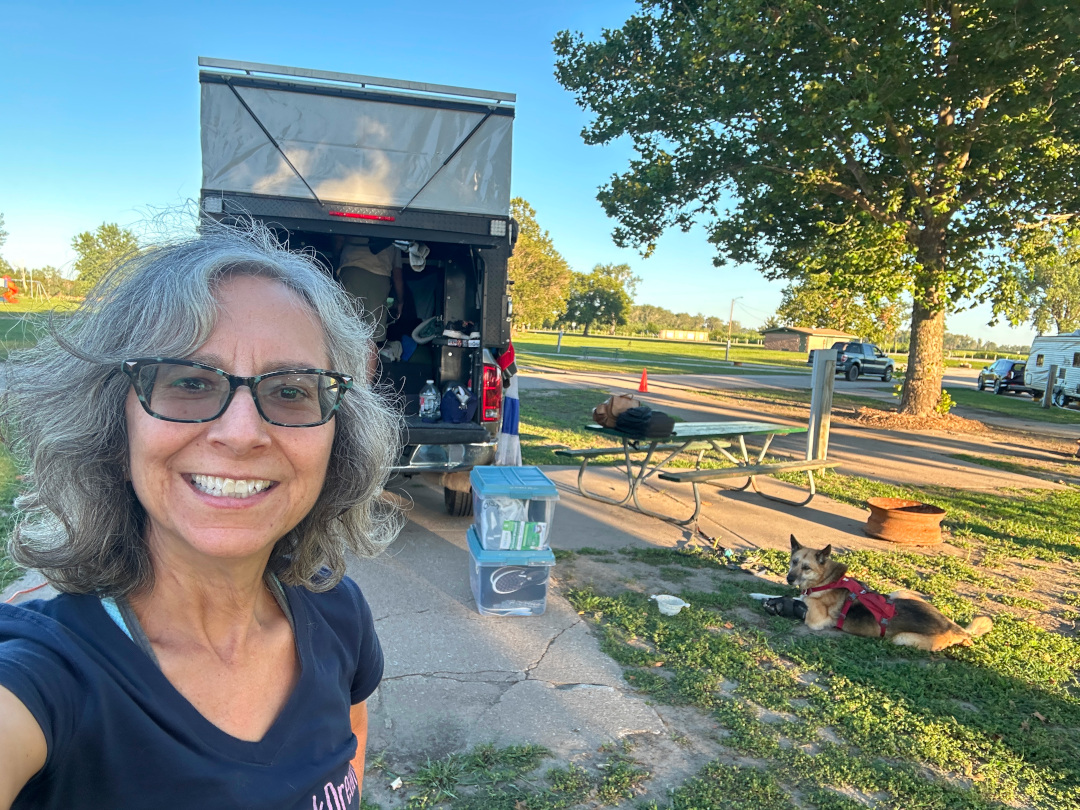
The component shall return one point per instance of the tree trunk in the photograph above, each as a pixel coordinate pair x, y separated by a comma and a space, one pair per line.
926, 355
586, 332
922, 383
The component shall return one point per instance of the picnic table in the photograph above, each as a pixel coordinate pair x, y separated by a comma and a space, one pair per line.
699, 437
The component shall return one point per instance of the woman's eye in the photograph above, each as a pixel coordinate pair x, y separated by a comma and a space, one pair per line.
290, 393
191, 385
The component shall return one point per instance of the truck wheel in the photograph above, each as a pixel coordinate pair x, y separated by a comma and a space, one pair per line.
982, 384
1060, 399
999, 387
458, 504
887, 375
852, 373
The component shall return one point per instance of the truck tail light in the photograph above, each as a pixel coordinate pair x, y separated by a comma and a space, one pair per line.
491, 402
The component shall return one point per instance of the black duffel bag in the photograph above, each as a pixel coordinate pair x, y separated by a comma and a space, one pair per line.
645, 423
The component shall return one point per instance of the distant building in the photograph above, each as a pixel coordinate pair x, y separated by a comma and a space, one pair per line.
802, 339
683, 334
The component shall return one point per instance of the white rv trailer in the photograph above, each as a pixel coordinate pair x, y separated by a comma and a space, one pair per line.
1062, 351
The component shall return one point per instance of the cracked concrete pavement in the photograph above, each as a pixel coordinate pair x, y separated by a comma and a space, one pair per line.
455, 679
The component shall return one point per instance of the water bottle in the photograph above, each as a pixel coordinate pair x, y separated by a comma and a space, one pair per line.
430, 405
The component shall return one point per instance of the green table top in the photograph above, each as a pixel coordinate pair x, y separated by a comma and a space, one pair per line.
710, 430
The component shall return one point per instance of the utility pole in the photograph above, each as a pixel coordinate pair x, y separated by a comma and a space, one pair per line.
731, 315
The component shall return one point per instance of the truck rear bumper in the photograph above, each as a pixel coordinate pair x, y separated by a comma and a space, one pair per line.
444, 457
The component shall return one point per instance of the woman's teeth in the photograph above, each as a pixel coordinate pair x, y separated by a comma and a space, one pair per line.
228, 487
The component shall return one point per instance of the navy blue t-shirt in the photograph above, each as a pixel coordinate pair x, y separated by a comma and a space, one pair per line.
120, 736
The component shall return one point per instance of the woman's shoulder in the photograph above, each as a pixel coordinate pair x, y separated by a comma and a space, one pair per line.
342, 606
62, 619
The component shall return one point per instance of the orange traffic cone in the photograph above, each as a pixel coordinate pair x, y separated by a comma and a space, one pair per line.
643, 386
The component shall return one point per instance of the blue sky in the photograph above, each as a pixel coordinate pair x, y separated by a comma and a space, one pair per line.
99, 104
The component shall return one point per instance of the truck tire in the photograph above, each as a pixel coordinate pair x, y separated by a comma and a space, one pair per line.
1060, 399
887, 375
999, 387
982, 384
852, 373
458, 504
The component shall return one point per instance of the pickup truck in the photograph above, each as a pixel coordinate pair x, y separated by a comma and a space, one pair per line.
854, 359
407, 181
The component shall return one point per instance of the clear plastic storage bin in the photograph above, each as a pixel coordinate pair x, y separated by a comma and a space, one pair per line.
512, 507
508, 583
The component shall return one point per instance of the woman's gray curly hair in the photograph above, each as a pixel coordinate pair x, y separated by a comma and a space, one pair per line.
63, 414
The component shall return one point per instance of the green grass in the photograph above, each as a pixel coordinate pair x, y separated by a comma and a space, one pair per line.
492, 778
959, 729
1014, 405
680, 357
1027, 524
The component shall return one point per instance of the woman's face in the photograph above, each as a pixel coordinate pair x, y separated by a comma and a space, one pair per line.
262, 326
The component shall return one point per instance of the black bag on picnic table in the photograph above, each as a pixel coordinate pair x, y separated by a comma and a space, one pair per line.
645, 423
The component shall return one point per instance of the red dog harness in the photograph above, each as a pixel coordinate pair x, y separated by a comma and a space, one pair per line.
878, 604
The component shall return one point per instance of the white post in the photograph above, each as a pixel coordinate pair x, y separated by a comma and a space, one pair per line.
821, 393
1051, 378
558, 343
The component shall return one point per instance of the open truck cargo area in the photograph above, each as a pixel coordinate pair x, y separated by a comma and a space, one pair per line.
401, 191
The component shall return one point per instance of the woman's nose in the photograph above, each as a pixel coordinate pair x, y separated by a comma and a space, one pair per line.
241, 426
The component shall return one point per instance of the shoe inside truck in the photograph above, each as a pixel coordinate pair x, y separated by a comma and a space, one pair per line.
334, 161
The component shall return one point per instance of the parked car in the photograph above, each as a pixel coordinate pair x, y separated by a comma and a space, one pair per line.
1004, 376
856, 358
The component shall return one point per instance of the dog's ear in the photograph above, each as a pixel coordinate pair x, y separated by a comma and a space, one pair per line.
795, 545
823, 555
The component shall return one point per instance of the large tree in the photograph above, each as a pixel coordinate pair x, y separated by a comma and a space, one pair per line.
540, 274
907, 140
99, 251
601, 297
1046, 265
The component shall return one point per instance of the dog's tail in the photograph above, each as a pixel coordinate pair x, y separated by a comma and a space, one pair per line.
979, 626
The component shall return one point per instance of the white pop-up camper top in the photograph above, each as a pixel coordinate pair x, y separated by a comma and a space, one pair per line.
1062, 351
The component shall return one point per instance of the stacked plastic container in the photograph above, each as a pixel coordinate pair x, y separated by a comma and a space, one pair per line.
508, 541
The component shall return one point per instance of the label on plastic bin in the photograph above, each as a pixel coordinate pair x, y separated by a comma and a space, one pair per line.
523, 535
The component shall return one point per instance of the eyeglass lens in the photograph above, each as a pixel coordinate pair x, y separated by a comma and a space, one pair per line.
195, 394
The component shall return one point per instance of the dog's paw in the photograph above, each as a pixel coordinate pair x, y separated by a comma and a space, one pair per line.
785, 606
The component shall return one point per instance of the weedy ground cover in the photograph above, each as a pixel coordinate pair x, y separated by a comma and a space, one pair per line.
1014, 405
828, 718
515, 778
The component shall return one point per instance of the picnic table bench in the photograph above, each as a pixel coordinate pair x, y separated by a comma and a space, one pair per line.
594, 352
699, 437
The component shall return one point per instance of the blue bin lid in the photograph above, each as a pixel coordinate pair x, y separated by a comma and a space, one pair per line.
506, 556
512, 482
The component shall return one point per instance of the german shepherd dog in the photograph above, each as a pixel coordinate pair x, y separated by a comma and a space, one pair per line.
903, 617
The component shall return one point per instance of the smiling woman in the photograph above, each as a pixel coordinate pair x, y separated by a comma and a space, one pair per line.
201, 463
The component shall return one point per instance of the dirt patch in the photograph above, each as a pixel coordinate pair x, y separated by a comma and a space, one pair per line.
891, 420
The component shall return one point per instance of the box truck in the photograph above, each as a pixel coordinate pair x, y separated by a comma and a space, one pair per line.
401, 190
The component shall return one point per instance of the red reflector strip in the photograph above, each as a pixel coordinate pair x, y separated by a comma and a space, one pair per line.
351, 215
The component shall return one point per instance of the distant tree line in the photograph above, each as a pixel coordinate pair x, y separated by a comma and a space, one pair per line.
95, 252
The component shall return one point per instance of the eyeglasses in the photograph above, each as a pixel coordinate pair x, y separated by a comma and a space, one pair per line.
185, 391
